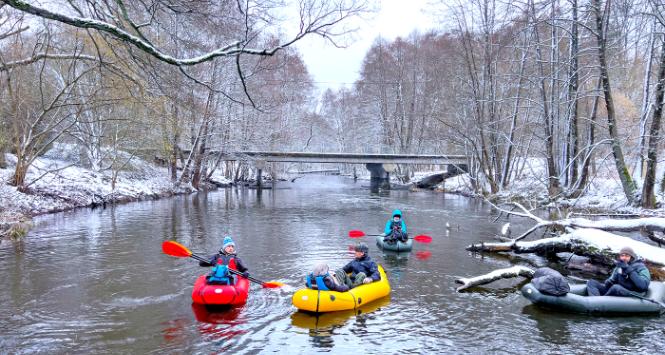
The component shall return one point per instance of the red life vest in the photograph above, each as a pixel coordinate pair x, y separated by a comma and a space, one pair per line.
231, 263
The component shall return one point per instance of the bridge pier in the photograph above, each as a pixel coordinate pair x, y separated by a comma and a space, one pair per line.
259, 183
379, 177
259, 165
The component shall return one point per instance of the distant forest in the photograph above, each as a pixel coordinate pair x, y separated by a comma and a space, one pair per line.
574, 84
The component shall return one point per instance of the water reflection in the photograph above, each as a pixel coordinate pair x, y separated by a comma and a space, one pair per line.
395, 259
322, 327
79, 287
423, 254
551, 327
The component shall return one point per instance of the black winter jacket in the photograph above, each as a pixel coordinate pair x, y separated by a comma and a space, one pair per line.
364, 264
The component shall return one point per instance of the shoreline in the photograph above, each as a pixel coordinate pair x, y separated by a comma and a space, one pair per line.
74, 187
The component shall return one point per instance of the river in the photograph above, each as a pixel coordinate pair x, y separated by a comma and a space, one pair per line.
89, 281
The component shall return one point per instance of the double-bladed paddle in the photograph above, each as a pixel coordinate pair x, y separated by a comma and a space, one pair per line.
178, 250
419, 238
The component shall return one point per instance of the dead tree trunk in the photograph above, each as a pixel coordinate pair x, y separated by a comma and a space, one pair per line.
648, 197
627, 182
572, 96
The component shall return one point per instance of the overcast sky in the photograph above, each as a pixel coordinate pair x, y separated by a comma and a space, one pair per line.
335, 67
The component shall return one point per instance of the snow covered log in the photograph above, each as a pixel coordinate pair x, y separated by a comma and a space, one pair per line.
651, 224
430, 182
595, 244
515, 271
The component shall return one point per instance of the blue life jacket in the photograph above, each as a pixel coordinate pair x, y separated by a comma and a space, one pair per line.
219, 275
319, 285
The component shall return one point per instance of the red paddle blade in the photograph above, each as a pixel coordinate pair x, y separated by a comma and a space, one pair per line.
356, 234
423, 254
423, 239
175, 249
272, 284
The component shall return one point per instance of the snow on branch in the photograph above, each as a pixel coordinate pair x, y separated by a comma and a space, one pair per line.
40, 56
507, 273
588, 242
650, 224
319, 20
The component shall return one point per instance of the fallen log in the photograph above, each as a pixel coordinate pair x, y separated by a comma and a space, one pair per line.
515, 271
599, 246
431, 181
648, 225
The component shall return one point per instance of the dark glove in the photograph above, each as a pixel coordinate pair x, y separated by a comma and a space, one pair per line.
623, 266
245, 274
629, 270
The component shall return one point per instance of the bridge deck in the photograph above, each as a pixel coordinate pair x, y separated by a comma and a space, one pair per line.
350, 158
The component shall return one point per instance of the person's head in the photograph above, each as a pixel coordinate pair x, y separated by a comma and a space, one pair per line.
228, 246
320, 269
626, 254
397, 215
361, 249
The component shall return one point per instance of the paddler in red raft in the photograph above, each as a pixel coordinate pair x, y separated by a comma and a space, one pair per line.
222, 261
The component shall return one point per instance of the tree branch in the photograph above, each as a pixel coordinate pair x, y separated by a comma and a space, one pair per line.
40, 56
515, 271
319, 24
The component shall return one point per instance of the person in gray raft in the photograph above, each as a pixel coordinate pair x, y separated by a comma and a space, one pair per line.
629, 277
395, 229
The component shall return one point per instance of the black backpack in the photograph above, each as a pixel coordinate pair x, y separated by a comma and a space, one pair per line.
550, 282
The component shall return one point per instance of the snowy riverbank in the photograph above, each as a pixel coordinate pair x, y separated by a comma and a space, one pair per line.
57, 182
57, 185
604, 193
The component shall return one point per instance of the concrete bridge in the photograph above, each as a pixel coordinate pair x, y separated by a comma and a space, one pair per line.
379, 165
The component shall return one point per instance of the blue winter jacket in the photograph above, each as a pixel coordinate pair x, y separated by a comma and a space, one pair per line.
389, 225
635, 277
364, 264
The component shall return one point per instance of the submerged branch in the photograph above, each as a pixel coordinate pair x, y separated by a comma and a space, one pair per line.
508, 273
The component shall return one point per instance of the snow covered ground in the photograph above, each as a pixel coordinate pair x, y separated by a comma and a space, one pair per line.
603, 194
61, 184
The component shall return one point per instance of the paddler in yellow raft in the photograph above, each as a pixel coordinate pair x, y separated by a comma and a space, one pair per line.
363, 280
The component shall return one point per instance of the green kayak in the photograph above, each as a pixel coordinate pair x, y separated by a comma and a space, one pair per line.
399, 246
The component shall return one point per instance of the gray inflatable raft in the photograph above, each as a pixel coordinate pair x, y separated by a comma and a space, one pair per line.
398, 247
577, 301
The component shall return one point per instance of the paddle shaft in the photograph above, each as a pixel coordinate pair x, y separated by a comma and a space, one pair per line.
248, 277
383, 235
236, 272
648, 299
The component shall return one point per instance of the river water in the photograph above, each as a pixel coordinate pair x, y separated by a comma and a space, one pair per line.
89, 281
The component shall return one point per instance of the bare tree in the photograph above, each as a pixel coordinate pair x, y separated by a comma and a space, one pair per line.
648, 197
627, 182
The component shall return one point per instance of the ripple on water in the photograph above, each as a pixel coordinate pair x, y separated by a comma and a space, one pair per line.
97, 281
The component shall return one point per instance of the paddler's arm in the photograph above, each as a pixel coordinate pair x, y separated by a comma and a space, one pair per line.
374, 269
213, 260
